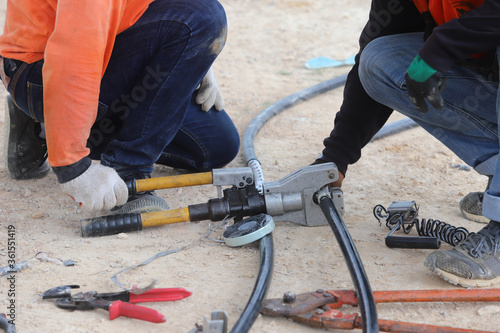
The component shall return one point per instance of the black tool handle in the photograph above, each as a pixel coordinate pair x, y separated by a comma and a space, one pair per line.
111, 224
131, 187
412, 242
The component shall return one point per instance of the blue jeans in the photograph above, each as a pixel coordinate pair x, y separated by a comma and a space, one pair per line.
147, 92
468, 124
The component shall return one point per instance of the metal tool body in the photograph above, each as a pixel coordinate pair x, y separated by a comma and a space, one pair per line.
320, 308
120, 304
289, 199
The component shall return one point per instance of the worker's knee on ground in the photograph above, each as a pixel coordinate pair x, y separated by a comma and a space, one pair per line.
202, 155
217, 158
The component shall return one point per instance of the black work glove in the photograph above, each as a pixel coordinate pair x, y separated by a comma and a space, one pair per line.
424, 82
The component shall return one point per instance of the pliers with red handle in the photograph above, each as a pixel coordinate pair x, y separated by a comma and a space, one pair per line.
119, 304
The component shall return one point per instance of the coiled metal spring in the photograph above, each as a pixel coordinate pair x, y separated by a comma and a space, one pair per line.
404, 216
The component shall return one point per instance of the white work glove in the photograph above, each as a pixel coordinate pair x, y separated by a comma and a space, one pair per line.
209, 94
98, 188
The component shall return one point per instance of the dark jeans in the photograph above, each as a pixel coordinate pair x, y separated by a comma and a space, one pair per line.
147, 92
468, 123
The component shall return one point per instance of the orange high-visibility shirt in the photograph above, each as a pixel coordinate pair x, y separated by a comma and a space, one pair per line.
444, 10
75, 38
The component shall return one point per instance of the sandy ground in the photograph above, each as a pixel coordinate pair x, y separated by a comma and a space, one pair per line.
268, 43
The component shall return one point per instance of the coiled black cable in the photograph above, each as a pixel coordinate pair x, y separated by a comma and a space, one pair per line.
442, 230
405, 220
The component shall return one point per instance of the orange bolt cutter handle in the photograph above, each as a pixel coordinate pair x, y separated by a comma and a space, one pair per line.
320, 308
337, 320
348, 297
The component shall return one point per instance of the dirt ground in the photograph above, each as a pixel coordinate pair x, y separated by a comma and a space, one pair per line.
267, 45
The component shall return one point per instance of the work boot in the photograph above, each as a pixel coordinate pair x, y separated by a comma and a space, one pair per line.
142, 202
474, 262
471, 205
25, 152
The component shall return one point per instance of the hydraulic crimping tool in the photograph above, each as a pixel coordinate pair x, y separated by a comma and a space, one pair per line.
288, 199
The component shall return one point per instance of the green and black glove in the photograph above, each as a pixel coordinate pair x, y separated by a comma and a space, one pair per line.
424, 82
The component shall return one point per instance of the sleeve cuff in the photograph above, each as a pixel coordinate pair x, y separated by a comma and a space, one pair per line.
69, 172
341, 167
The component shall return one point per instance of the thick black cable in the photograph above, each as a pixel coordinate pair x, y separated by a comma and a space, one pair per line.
256, 124
365, 297
262, 284
394, 128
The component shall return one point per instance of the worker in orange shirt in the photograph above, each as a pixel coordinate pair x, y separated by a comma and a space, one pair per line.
124, 82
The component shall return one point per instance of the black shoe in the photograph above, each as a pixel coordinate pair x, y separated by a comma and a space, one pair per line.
25, 152
142, 202
471, 205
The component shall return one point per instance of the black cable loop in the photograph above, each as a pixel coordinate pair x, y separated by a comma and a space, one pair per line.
442, 230
380, 213
425, 227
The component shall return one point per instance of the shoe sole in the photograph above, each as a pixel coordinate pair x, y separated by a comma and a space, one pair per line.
142, 206
474, 217
42, 171
457, 280
466, 283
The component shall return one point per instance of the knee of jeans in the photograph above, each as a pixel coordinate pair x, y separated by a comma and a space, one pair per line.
370, 66
212, 19
220, 158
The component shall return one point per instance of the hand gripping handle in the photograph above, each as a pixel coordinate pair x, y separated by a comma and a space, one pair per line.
111, 224
123, 309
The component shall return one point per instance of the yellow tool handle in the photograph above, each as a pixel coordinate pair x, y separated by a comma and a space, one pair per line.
114, 224
151, 184
154, 219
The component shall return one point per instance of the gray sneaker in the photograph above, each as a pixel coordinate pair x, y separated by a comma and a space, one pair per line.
471, 205
474, 262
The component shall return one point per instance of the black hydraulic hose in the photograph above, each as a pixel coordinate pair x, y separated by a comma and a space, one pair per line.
303, 95
283, 104
259, 292
358, 275
394, 127
261, 286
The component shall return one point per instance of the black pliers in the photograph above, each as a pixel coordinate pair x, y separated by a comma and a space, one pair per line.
118, 304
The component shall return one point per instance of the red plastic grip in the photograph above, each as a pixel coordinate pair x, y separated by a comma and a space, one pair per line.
123, 309
160, 295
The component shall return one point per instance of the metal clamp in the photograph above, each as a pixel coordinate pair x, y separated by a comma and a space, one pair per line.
292, 197
217, 323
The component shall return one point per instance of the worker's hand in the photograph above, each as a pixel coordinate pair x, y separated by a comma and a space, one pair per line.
424, 82
98, 188
209, 94
338, 182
